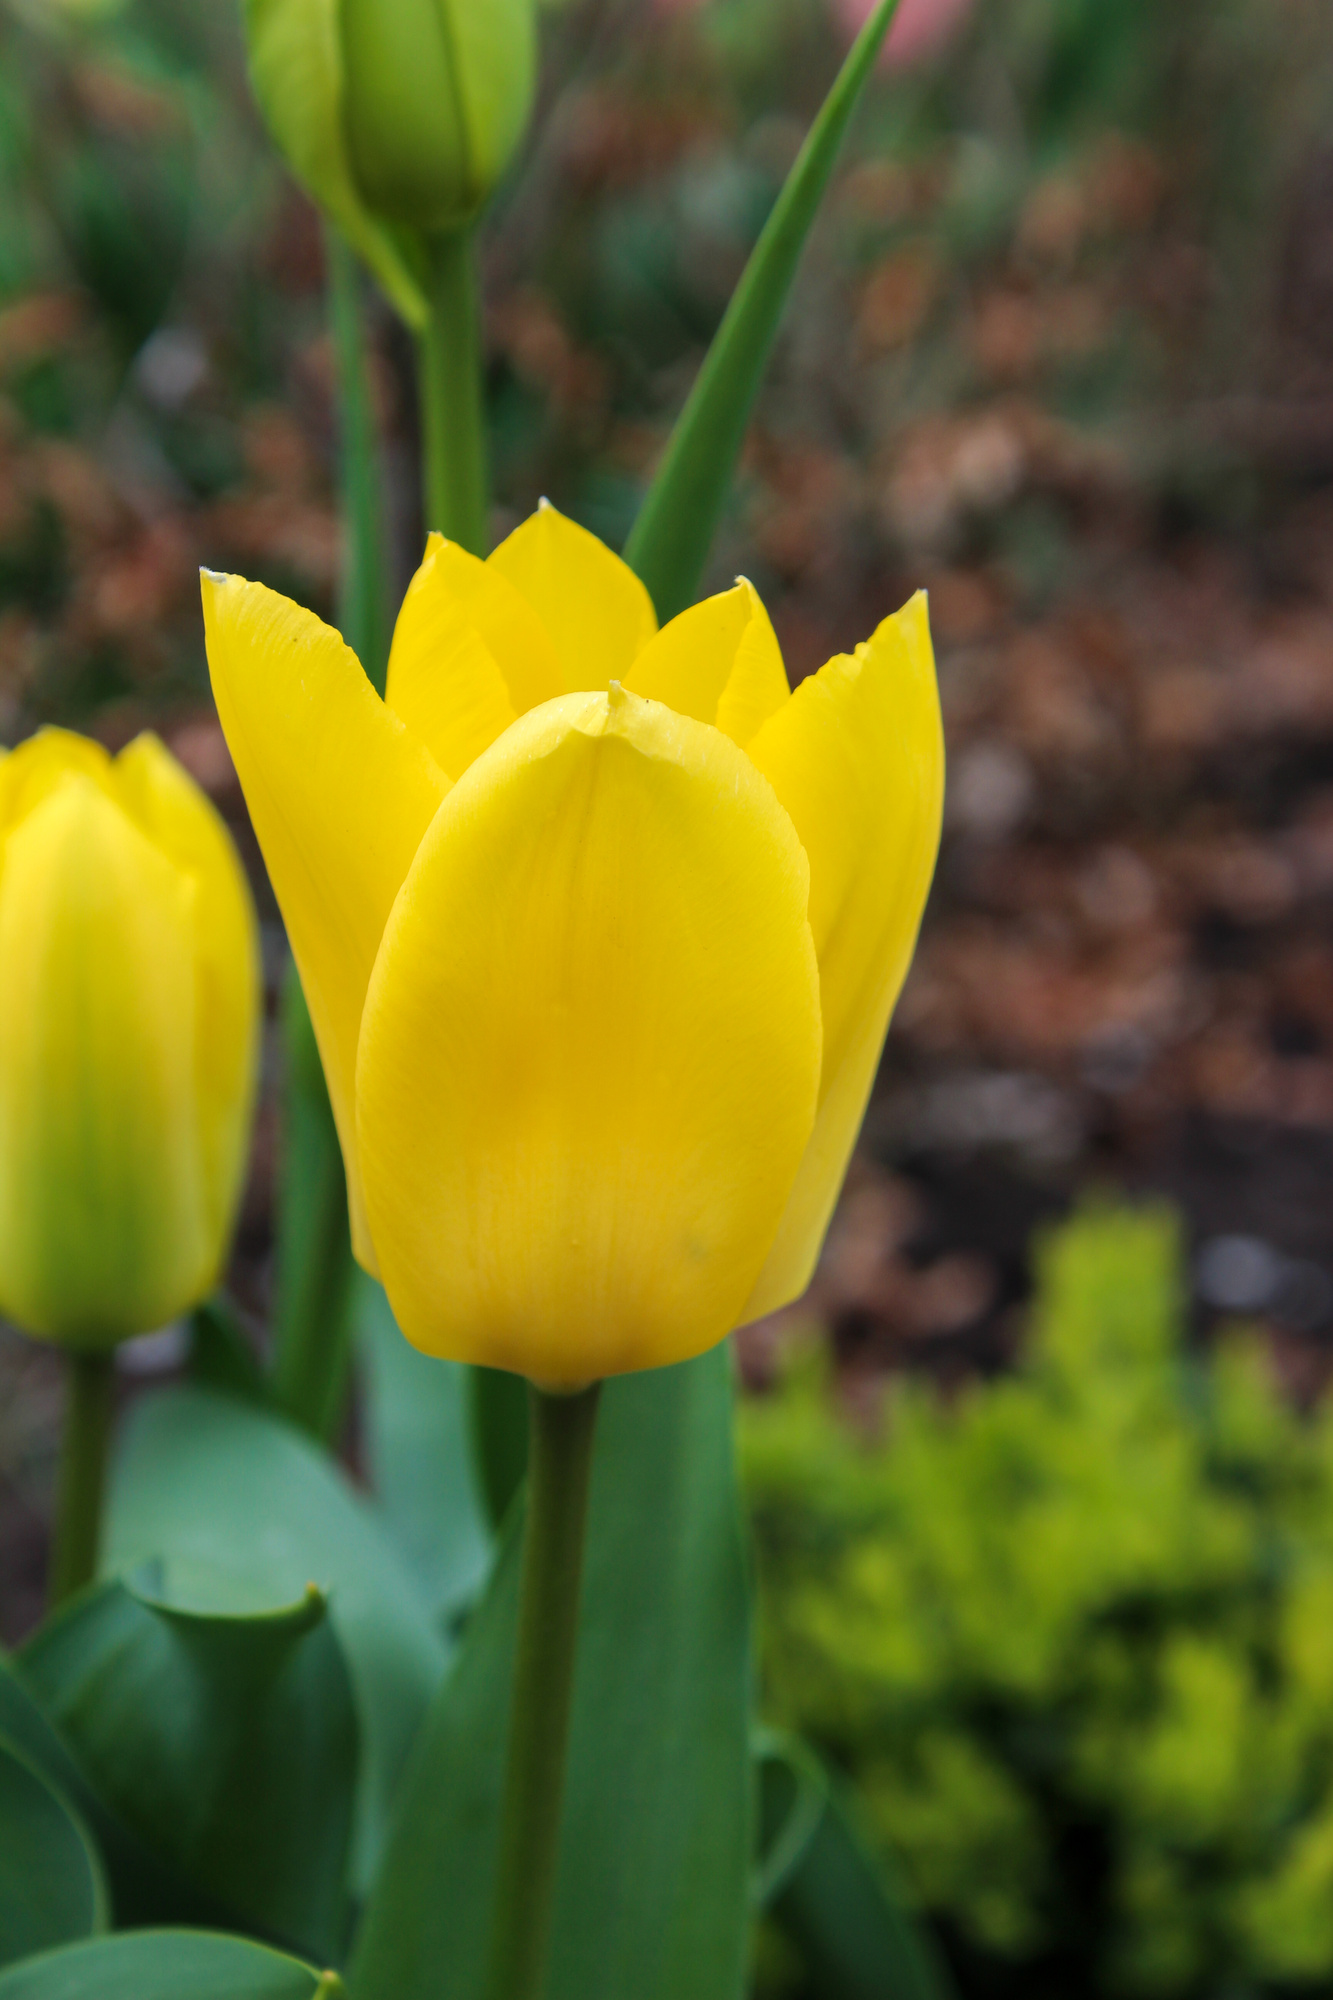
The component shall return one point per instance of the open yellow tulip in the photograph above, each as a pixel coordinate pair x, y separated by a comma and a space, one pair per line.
600, 929
129, 1018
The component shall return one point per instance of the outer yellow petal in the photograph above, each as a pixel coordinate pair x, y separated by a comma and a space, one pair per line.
857, 758
597, 612
590, 1053
41, 765
469, 654
103, 1225
719, 662
340, 795
176, 816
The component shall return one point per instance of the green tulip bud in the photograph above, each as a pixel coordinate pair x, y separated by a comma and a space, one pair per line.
436, 95
296, 71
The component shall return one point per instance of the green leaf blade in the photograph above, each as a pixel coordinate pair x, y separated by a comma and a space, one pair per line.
226, 1745
651, 1897
236, 1503
52, 1886
669, 545
162, 1965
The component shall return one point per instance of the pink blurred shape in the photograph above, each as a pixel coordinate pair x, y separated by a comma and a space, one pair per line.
920, 30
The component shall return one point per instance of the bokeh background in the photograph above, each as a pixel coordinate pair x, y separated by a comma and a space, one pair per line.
1041, 1471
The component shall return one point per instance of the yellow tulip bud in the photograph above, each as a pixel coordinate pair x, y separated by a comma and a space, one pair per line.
128, 1033
601, 928
436, 96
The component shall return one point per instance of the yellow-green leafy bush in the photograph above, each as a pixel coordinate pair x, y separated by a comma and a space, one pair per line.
1072, 1634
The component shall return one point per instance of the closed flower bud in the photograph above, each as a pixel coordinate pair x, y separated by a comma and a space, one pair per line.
601, 928
128, 1025
436, 96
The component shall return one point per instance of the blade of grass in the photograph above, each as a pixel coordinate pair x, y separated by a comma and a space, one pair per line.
672, 536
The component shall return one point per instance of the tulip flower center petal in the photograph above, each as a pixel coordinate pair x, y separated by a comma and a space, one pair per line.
590, 1052
719, 662
598, 614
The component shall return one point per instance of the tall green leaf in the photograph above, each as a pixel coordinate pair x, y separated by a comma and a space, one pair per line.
244, 1511
227, 1745
830, 1894
419, 1455
672, 536
165, 1965
651, 1898
52, 1889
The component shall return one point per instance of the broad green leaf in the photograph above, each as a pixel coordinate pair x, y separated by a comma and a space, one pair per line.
143, 1891
829, 1893
652, 1894
165, 1965
420, 1459
244, 1511
52, 1889
672, 536
226, 1744
296, 71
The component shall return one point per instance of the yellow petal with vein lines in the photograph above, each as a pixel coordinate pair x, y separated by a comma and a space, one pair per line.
857, 759
598, 614
719, 662
469, 654
340, 795
590, 1054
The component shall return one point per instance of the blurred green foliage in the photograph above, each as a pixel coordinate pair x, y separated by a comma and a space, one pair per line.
1072, 1635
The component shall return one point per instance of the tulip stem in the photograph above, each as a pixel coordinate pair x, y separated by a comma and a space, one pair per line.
361, 610
89, 1403
452, 405
548, 1621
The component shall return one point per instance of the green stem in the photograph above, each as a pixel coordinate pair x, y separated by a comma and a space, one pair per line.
548, 1622
89, 1403
452, 408
362, 607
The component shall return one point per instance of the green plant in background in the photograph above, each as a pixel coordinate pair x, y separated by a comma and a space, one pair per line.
1071, 1637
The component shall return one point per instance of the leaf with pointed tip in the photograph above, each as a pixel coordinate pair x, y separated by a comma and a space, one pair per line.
674, 531
655, 1843
245, 1511
52, 1889
225, 1744
165, 1965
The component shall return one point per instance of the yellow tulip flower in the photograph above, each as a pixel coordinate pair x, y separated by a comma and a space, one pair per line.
600, 927
128, 1032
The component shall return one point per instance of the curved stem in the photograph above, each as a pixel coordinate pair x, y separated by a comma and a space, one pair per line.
452, 409
89, 1403
548, 1621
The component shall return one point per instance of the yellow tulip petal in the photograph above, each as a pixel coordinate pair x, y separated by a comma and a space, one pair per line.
340, 795
181, 823
857, 758
597, 612
444, 682
590, 1053
719, 662
103, 1230
41, 765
